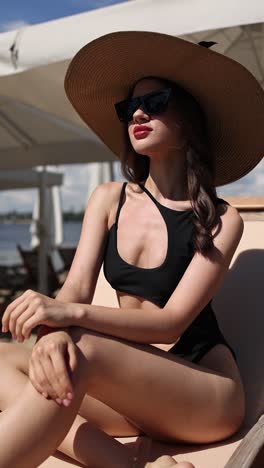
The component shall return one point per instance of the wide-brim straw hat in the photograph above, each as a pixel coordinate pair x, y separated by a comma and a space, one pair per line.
103, 72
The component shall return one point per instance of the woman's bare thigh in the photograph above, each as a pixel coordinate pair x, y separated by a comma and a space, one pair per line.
165, 396
94, 411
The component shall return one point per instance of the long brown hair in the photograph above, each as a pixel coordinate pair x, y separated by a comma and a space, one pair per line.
201, 190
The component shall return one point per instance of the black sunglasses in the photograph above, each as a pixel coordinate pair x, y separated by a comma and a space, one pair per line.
152, 103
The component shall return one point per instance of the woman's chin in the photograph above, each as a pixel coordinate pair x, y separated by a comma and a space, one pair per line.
145, 148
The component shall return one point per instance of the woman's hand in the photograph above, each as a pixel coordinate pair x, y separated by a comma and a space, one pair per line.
32, 309
53, 360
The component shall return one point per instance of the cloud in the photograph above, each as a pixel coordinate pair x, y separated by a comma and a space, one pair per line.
17, 200
13, 25
74, 192
75, 186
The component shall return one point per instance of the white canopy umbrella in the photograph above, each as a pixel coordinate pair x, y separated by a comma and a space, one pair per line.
28, 178
31, 137
47, 216
46, 229
53, 221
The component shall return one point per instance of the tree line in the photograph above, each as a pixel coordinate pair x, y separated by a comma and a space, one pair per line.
17, 216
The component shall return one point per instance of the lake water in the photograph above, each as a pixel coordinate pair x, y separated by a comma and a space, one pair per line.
13, 234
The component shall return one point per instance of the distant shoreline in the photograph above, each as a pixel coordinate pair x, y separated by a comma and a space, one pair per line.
28, 221
12, 234
26, 218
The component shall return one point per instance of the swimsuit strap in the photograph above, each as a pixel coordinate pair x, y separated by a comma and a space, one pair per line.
148, 193
120, 201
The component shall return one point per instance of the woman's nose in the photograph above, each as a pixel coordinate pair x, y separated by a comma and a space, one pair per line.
140, 114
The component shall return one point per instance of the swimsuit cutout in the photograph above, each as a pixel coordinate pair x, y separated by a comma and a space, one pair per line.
158, 283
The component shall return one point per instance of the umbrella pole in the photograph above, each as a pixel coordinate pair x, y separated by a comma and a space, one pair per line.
43, 239
111, 167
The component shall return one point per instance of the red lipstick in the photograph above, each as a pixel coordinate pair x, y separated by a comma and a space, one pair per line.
141, 130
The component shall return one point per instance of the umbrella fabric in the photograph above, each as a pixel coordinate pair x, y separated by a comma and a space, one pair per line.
53, 222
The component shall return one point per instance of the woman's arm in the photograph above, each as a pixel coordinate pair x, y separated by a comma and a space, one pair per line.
82, 278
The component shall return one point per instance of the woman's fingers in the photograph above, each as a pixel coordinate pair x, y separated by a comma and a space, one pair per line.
21, 320
32, 321
72, 353
52, 387
17, 315
65, 390
47, 379
10, 309
20, 311
27, 320
53, 360
50, 375
35, 376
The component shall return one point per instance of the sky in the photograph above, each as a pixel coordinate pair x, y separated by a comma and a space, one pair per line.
15, 14
32, 11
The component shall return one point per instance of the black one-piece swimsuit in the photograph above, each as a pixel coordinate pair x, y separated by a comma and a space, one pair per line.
157, 284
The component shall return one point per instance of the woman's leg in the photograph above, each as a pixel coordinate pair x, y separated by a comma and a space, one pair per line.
31, 427
23, 425
168, 398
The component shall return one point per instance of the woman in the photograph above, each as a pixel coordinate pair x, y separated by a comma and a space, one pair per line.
166, 240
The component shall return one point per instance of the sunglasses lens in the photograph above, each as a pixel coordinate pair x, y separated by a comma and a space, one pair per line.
125, 109
121, 110
153, 103
133, 105
156, 103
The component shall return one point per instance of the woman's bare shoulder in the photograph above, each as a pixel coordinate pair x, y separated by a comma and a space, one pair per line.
108, 191
113, 189
224, 208
230, 220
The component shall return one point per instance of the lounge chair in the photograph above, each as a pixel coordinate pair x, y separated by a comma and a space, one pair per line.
30, 262
239, 309
12, 280
67, 255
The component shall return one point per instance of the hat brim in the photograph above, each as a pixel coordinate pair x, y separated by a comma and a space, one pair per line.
104, 70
